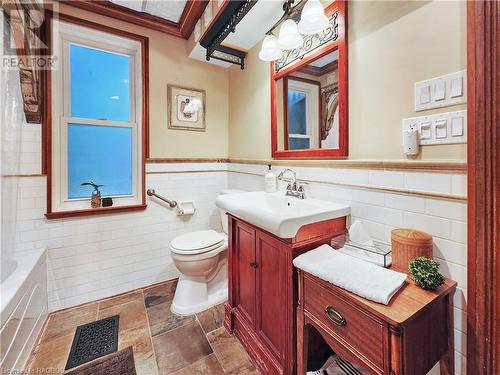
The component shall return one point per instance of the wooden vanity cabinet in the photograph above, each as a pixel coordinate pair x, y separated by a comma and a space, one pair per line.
262, 289
407, 337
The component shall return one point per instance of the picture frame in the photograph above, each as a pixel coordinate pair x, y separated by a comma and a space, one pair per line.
186, 108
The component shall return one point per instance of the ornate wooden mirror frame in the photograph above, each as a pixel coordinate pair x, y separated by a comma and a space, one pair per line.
340, 43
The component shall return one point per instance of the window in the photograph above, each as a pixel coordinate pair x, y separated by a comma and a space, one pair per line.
97, 120
303, 117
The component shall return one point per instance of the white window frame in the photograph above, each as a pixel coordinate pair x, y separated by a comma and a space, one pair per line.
68, 33
311, 92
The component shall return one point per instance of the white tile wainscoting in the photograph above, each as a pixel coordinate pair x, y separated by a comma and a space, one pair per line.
95, 257
373, 199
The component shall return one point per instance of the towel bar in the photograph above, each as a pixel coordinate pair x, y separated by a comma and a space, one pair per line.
151, 193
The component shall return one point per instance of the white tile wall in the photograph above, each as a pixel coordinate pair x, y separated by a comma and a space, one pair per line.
30, 152
383, 211
95, 257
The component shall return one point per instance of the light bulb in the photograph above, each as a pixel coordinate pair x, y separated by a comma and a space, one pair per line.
289, 37
270, 50
313, 19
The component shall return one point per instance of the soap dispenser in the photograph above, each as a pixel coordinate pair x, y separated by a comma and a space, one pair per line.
270, 181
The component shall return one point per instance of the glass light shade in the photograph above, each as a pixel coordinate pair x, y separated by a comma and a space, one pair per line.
313, 19
270, 50
289, 37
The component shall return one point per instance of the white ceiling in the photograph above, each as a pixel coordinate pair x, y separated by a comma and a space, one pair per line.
321, 62
199, 53
253, 27
170, 10
249, 31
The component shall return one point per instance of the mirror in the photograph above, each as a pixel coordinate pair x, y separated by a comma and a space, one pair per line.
308, 106
309, 97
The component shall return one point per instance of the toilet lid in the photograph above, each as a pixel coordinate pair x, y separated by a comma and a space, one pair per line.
196, 242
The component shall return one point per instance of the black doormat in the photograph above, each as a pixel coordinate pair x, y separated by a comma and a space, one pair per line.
94, 340
118, 363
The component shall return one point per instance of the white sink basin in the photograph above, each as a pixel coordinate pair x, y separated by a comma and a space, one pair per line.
277, 213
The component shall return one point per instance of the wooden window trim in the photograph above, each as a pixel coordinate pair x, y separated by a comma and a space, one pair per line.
483, 154
182, 29
94, 211
47, 116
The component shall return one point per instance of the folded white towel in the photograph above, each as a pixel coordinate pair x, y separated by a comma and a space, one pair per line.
357, 276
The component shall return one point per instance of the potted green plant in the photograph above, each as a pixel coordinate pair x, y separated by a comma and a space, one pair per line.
425, 272
95, 200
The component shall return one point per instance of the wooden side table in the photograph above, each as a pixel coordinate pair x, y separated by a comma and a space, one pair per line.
408, 336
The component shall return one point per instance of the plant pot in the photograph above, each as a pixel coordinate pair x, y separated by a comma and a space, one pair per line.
95, 201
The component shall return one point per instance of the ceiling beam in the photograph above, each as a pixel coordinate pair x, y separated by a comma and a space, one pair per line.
190, 15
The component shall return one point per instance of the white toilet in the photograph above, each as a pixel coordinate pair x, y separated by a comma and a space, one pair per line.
201, 258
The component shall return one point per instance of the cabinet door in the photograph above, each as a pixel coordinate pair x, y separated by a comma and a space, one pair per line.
271, 292
244, 261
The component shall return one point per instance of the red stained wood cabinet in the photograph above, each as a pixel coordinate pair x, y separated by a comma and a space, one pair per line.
407, 337
262, 289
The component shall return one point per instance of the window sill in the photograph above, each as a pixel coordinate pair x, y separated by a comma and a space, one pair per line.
94, 211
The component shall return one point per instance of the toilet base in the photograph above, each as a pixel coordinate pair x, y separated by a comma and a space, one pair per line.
195, 294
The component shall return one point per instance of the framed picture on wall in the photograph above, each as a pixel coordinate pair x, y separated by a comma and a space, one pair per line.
186, 108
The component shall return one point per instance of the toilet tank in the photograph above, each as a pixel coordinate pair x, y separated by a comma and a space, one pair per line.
223, 217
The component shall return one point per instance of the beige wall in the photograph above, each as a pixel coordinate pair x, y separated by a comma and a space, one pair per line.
169, 63
392, 45
249, 113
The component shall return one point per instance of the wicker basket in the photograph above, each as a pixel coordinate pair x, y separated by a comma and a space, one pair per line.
408, 244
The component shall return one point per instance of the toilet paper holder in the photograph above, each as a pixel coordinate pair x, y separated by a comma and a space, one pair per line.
185, 208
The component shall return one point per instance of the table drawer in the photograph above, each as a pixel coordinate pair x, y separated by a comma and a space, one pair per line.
345, 322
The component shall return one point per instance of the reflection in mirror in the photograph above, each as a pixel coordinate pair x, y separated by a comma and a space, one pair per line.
308, 106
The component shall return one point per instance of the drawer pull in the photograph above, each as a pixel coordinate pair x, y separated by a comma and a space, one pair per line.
335, 316
253, 265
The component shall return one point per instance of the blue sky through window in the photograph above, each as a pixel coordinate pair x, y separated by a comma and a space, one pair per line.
102, 154
296, 112
100, 84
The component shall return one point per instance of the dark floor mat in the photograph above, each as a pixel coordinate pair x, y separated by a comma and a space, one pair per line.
119, 363
94, 340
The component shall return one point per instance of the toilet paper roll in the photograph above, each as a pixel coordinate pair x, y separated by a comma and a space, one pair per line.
185, 208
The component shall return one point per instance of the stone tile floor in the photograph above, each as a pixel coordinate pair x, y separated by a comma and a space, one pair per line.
163, 343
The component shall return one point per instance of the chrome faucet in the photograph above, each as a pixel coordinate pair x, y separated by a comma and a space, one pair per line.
293, 189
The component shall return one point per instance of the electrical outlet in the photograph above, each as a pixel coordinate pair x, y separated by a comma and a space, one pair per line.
441, 128
412, 127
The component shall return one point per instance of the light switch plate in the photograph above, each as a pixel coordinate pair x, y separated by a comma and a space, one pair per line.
425, 94
439, 90
444, 91
438, 129
425, 130
457, 126
456, 87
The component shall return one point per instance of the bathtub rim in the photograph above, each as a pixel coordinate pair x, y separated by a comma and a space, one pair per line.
15, 285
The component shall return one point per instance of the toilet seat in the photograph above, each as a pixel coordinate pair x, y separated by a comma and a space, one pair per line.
198, 242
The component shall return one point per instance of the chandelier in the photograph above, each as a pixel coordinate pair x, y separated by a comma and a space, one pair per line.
312, 21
